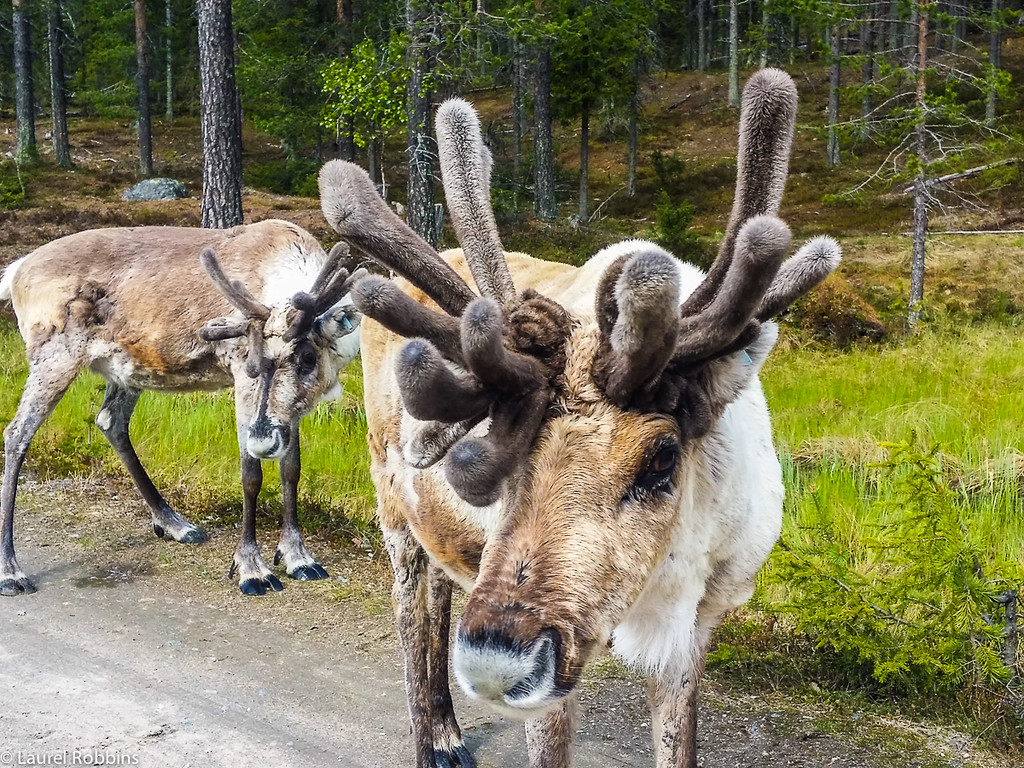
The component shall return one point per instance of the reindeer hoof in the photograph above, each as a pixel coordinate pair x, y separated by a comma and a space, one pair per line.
11, 587
194, 536
450, 758
158, 530
257, 586
311, 572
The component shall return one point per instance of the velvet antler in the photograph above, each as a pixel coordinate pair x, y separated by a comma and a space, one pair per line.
331, 284
255, 312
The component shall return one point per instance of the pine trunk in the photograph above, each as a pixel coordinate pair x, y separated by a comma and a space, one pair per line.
420, 147
543, 145
734, 54
995, 56
518, 119
142, 85
921, 195
169, 61
584, 209
832, 145
58, 88
219, 117
702, 35
346, 136
24, 100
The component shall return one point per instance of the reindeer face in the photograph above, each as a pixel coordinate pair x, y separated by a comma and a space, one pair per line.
297, 375
294, 353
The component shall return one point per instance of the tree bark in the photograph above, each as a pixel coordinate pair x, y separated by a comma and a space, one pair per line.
995, 56
543, 146
58, 88
169, 60
702, 35
921, 194
584, 212
24, 100
867, 74
832, 143
734, 54
142, 85
421, 147
518, 119
631, 159
219, 117
346, 137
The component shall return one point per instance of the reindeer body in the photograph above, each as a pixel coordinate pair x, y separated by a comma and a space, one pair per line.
587, 451
129, 304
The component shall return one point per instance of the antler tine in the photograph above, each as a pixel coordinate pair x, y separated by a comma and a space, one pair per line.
638, 316
355, 210
482, 345
382, 300
431, 391
233, 290
815, 261
760, 245
465, 173
767, 121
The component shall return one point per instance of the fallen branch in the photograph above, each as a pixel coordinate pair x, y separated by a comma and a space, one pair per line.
964, 174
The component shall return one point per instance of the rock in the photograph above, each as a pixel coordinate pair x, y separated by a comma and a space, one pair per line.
155, 189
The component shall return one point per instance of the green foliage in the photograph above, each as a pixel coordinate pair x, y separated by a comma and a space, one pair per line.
367, 87
915, 596
12, 187
672, 230
285, 177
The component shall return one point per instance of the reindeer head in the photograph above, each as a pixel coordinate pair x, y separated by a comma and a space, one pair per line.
294, 352
584, 425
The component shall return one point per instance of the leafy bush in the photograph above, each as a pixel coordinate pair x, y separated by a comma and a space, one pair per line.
834, 312
285, 177
919, 600
672, 230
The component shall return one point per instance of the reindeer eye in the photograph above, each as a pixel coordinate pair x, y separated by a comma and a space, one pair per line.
305, 359
657, 475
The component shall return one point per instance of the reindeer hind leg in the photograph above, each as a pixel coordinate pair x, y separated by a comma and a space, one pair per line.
113, 419
52, 368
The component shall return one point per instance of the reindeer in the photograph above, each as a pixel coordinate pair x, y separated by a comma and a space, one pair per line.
131, 305
586, 450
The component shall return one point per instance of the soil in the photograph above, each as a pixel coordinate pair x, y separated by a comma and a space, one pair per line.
137, 651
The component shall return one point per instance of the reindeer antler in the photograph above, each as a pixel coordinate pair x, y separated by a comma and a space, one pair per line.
652, 348
256, 314
330, 285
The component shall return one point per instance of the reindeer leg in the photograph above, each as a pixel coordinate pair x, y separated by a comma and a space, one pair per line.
298, 562
409, 562
449, 749
46, 384
673, 701
115, 414
549, 739
254, 576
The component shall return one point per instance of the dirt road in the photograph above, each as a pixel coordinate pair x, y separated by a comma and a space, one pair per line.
140, 652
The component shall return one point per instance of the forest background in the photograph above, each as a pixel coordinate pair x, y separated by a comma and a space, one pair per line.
897, 388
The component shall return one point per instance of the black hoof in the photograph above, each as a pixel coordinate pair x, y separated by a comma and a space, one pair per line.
12, 587
450, 758
194, 536
260, 586
311, 572
159, 531
277, 556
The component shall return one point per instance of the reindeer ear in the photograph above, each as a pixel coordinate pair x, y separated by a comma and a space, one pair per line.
338, 328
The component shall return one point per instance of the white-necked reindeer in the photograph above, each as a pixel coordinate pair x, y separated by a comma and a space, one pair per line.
133, 305
587, 451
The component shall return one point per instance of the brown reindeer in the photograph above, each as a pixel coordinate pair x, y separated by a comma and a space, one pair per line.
586, 450
132, 305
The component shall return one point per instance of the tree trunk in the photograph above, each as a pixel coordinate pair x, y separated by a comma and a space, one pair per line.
58, 88
219, 117
421, 147
346, 136
702, 35
995, 56
634, 109
734, 54
142, 84
543, 146
169, 61
518, 119
867, 75
921, 195
584, 212
24, 100
832, 143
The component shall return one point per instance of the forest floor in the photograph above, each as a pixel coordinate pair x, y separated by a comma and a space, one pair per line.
143, 650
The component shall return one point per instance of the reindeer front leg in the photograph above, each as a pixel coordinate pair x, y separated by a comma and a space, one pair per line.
298, 562
673, 700
449, 749
549, 739
409, 592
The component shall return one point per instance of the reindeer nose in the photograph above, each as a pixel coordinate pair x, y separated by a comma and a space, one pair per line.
267, 441
491, 665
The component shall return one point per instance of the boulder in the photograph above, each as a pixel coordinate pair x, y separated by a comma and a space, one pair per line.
155, 189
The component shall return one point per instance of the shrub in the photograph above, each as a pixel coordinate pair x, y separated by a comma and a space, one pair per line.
833, 312
672, 230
